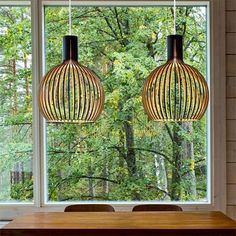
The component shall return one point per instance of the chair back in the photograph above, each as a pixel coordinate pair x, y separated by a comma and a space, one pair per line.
157, 207
89, 208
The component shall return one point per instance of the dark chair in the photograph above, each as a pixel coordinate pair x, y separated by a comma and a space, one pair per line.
89, 208
157, 207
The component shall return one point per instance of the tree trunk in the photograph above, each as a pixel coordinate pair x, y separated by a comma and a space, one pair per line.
27, 102
60, 186
183, 159
188, 157
130, 156
160, 172
15, 105
90, 181
121, 149
105, 186
176, 177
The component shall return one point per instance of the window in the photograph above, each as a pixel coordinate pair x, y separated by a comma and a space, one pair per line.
16, 178
122, 158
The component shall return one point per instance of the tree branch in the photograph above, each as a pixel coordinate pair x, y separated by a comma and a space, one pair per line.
159, 189
169, 132
74, 177
156, 152
108, 23
118, 22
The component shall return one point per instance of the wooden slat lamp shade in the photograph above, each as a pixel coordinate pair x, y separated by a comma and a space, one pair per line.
175, 91
71, 92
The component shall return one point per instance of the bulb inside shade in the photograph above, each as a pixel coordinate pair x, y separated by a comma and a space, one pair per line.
71, 92
175, 91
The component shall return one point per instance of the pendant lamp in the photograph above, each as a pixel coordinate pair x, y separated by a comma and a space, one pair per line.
175, 91
70, 92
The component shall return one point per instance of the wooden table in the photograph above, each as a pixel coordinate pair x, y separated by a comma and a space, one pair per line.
122, 224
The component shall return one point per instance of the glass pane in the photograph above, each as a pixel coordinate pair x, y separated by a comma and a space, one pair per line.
123, 156
16, 177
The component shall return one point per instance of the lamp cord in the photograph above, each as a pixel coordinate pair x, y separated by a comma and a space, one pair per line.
70, 17
174, 16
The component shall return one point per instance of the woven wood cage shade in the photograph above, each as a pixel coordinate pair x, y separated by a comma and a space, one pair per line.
175, 91
71, 92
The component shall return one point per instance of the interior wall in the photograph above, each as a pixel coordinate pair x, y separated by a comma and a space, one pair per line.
231, 105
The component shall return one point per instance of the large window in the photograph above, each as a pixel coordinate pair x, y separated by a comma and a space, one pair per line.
123, 156
16, 177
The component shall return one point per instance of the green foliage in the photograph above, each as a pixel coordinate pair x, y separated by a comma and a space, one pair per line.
22, 191
123, 156
16, 104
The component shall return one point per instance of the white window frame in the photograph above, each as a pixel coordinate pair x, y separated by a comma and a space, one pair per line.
217, 127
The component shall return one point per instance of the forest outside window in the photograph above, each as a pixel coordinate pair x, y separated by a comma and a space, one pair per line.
16, 175
123, 156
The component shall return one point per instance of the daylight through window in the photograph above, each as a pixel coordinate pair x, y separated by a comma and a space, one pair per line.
16, 175
123, 156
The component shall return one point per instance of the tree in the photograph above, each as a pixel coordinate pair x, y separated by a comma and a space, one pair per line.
123, 156
123, 44
16, 104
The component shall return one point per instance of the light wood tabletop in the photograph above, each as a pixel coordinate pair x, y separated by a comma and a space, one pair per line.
122, 224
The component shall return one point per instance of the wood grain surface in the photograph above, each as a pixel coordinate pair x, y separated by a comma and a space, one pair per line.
122, 223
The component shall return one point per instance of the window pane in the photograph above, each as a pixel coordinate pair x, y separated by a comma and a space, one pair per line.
16, 181
123, 156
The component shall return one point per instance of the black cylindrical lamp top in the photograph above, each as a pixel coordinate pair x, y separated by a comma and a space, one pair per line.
175, 47
70, 47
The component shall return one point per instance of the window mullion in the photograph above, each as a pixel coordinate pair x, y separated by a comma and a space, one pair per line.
37, 120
